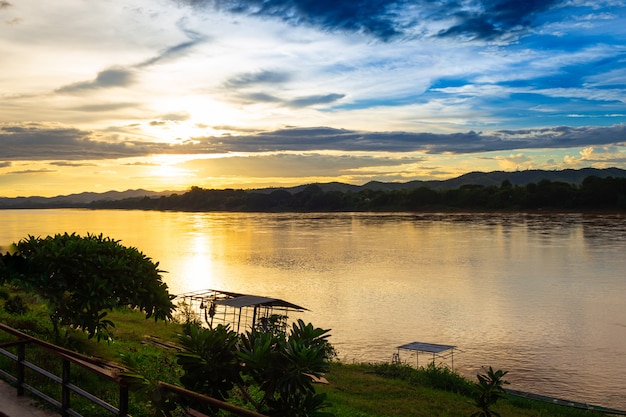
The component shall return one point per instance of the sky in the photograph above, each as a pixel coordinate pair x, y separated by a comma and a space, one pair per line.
169, 94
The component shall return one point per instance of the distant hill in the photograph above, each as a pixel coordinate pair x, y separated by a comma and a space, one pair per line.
75, 200
570, 176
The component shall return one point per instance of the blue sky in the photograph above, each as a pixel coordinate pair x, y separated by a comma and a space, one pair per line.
167, 94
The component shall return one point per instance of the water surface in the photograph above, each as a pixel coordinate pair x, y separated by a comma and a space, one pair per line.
539, 295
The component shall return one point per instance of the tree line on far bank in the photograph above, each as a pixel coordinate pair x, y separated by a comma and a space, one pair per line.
594, 193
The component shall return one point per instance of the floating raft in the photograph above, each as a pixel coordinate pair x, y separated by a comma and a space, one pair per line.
565, 403
437, 350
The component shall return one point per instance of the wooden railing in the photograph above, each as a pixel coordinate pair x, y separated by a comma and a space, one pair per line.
69, 358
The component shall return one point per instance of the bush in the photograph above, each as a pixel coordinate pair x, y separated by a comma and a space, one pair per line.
82, 277
431, 376
16, 305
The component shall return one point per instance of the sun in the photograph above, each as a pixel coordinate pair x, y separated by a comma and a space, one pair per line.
168, 171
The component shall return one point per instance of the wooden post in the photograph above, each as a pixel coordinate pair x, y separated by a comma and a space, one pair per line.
65, 388
21, 356
123, 401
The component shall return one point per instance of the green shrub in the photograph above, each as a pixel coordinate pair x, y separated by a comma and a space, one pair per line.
431, 376
16, 305
83, 277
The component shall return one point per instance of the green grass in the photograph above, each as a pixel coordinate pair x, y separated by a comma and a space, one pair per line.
362, 390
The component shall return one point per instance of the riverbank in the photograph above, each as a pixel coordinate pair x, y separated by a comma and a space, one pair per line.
353, 389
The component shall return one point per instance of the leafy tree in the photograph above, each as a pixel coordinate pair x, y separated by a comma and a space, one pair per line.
82, 277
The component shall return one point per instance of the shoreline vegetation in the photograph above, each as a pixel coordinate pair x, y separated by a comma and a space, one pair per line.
526, 191
353, 389
593, 194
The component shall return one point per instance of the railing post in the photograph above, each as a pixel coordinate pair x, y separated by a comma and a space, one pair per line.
65, 388
21, 356
123, 400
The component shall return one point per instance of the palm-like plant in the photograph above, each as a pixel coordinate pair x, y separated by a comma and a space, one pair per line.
489, 389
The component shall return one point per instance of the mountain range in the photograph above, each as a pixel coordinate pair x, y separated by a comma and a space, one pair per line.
570, 176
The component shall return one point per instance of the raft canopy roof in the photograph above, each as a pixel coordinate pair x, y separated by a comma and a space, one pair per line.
240, 311
426, 347
437, 350
238, 300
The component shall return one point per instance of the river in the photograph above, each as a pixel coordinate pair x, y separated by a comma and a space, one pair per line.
539, 295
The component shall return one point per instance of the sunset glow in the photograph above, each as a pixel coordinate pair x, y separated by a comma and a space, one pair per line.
169, 94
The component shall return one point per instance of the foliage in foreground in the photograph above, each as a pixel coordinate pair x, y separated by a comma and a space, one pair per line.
489, 389
83, 277
272, 371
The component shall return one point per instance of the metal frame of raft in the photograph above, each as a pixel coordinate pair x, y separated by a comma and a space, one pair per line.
241, 311
437, 350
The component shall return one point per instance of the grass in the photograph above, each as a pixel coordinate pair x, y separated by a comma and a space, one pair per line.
354, 390
360, 390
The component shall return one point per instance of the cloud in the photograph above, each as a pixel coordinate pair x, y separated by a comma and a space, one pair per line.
5, 4
316, 99
5, 164
113, 77
493, 20
120, 76
258, 78
386, 20
175, 51
32, 171
71, 164
324, 138
35, 141
41, 142
298, 102
374, 17
274, 79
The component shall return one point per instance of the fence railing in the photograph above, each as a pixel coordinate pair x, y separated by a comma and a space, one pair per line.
69, 358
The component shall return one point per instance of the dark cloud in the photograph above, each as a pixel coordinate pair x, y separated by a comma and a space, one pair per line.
313, 139
71, 164
5, 4
113, 77
175, 51
37, 142
389, 19
257, 78
375, 17
32, 171
313, 100
5, 164
495, 19
41, 142
299, 102
259, 97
